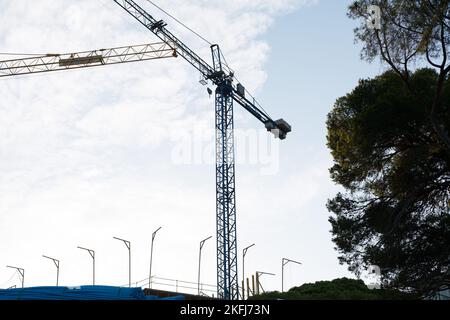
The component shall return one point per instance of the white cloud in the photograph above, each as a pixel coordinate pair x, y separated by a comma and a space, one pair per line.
85, 155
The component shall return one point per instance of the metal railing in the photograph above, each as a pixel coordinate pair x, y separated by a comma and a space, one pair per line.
178, 286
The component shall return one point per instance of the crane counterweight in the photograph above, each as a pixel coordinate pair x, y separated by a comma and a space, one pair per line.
73, 61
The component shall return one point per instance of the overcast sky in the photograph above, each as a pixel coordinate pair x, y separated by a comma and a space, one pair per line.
122, 150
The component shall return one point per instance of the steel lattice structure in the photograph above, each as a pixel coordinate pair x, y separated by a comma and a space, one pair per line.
58, 62
227, 279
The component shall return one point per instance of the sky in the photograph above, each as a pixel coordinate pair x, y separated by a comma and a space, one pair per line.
121, 150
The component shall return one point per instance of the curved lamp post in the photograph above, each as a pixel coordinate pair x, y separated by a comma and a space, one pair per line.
56, 262
244, 253
21, 272
151, 259
202, 243
128, 245
284, 263
92, 253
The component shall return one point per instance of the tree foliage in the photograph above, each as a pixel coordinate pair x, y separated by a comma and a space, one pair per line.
395, 212
412, 32
338, 289
391, 145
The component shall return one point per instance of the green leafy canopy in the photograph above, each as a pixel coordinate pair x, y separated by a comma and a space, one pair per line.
391, 145
338, 289
395, 211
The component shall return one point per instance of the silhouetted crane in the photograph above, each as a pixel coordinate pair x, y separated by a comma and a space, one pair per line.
227, 92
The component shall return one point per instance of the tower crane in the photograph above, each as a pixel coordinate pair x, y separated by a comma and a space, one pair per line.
227, 92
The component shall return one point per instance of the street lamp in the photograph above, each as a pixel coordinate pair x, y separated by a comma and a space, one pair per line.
56, 262
128, 245
258, 276
244, 253
21, 272
202, 243
92, 253
285, 262
151, 259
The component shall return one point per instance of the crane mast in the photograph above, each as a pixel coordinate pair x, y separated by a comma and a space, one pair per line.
85, 59
226, 93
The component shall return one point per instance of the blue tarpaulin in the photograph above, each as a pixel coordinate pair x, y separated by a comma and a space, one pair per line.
79, 293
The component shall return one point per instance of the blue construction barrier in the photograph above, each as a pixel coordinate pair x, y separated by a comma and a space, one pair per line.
79, 293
